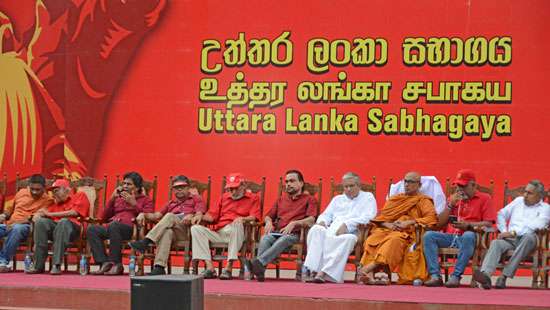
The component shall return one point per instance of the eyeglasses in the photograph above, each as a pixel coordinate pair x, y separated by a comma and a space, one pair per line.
410, 181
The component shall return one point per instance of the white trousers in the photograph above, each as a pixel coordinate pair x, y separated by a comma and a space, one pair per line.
327, 252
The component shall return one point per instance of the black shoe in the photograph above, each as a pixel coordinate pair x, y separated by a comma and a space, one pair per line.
483, 279
434, 282
501, 282
157, 271
140, 245
257, 267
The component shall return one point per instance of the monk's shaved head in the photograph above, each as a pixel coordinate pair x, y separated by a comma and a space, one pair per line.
412, 183
413, 175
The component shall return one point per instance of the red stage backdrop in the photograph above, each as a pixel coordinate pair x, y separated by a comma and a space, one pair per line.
93, 87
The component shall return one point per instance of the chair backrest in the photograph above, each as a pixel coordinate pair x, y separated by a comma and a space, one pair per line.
99, 187
430, 187
450, 189
337, 189
22, 183
149, 186
197, 187
3, 191
257, 188
512, 193
314, 190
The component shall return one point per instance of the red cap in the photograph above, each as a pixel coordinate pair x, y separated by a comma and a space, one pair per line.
464, 176
60, 183
234, 180
180, 180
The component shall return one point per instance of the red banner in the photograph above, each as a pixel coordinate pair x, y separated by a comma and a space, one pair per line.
206, 88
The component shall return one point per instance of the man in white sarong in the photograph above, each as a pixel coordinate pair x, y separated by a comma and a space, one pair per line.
332, 238
430, 187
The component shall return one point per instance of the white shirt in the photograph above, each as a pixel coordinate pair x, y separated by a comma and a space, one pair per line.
342, 210
430, 187
522, 218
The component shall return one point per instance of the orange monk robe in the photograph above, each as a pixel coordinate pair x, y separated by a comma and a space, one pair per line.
389, 247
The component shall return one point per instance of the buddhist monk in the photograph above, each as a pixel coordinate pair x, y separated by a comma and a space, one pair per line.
392, 243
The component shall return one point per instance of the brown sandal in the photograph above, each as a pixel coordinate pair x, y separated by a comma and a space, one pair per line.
381, 280
366, 278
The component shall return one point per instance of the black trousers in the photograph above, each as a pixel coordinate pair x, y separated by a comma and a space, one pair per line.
115, 232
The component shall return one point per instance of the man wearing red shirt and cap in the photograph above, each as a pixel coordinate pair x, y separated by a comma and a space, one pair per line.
60, 222
236, 206
466, 209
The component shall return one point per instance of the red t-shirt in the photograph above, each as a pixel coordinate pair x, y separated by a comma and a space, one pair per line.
286, 209
78, 202
190, 205
121, 211
227, 209
476, 209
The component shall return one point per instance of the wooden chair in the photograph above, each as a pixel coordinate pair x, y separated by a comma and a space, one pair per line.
3, 191
26, 246
296, 253
362, 229
95, 190
219, 249
181, 246
532, 261
544, 251
150, 189
448, 256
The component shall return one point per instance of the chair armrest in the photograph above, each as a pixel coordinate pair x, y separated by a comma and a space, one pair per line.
91, 220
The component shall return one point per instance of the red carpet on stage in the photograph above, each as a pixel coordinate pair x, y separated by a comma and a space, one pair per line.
292, 289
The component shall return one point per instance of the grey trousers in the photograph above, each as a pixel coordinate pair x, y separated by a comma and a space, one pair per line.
522, 246
271, 247
62, 233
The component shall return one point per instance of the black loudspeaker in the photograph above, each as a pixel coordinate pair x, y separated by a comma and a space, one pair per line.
168, 292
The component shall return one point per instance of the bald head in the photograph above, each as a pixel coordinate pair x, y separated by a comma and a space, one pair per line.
412, 183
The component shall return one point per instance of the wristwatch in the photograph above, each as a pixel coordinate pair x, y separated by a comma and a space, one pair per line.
514, 234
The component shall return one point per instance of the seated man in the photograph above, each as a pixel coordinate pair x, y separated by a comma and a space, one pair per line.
470, 208
517, 224
184, 209
15, 221
394, 235
58, 223
290, 212
332, 238
234, 207
127, 201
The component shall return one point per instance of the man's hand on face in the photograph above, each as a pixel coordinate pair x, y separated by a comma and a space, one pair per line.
129, 198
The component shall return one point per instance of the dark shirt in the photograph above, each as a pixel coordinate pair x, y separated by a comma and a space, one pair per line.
121, 211
190, 205
286, 209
